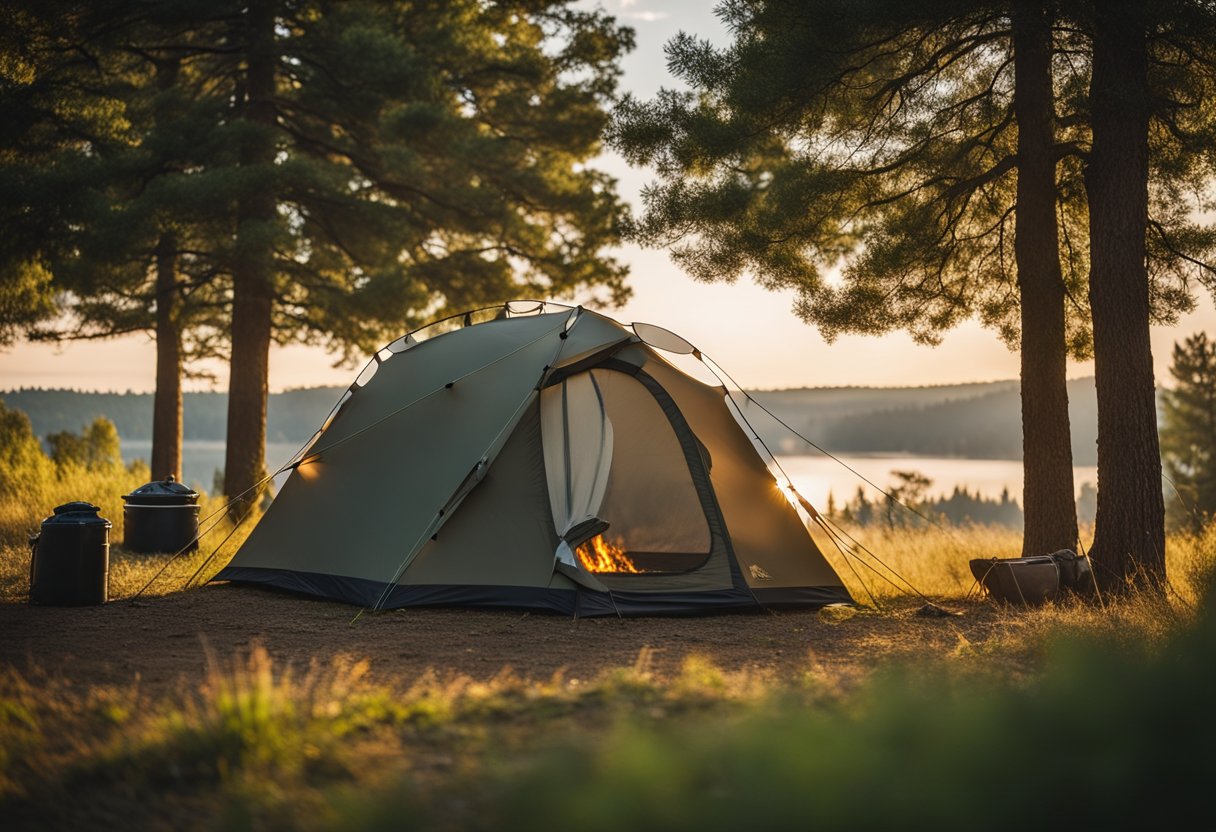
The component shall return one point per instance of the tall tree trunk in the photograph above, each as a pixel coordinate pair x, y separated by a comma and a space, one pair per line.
253, 272
167, 402
1129, 536
1047, 493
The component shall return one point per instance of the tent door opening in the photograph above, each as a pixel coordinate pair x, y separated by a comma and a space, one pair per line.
625, 466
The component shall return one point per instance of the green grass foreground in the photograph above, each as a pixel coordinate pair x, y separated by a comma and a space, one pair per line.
1112, 729
1072, 715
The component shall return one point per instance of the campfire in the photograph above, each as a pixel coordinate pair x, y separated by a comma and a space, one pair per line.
598, 555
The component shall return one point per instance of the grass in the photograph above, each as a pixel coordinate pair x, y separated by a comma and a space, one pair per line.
254, 728
883, 563
1109, 729
886, 563
1106, 737
1079, 713
129, 572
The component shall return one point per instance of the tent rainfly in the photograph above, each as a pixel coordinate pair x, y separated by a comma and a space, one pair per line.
550, 461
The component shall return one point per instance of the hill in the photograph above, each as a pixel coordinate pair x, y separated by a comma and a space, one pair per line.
292, 415
979, 421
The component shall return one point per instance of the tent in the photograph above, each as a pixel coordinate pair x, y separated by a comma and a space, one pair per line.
553, 460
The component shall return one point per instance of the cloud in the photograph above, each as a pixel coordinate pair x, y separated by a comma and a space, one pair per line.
640, 15
646, 17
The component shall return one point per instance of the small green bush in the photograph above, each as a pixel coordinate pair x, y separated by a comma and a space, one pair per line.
85, 467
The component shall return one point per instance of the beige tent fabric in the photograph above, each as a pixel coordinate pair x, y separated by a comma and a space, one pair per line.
578, 441
589, 335
651, 502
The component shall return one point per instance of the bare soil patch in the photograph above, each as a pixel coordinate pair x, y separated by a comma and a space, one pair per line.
161, 641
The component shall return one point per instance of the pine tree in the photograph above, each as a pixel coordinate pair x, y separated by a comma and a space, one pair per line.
122, 212
1129, 533
51, 108
1154, 70
400, 159
913, 144
1188, 433
26, 299
1047, 495
311, 171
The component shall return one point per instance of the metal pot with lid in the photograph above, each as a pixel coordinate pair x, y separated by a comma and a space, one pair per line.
161, 516
70, 557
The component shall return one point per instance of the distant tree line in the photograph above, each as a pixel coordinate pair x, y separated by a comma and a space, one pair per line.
1188, 444
907, 503
292, 415
980, 425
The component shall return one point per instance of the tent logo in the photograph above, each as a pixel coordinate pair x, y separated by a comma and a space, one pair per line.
759, 574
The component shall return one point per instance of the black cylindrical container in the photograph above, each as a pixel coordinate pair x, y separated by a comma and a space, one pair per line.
71, 558
161, 517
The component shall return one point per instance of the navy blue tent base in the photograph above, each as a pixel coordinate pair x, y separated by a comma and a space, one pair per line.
582, 603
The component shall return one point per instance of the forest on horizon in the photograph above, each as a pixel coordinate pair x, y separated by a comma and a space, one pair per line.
978, 421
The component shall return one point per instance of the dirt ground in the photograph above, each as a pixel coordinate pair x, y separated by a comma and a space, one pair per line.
162, 641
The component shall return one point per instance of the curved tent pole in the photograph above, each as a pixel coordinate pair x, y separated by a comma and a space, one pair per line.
423, 397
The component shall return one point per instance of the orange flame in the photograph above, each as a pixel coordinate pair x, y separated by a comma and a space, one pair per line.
598, 555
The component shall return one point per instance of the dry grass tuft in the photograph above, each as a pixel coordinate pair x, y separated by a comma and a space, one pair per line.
886, 563
255, 728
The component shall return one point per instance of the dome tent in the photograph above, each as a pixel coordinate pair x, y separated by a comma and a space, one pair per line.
550, 460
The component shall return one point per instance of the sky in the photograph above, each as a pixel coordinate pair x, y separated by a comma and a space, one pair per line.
749, 331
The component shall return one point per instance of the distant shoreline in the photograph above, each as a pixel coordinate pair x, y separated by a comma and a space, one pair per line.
974, 420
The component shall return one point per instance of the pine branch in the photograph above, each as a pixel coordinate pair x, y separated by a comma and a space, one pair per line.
1173, 249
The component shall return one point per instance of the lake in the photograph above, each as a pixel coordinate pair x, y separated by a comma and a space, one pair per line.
817, 476
813, 476
201, 458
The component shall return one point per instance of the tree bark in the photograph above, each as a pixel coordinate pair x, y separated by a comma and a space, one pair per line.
1129, 536
1047, 493
167, 402
253, 272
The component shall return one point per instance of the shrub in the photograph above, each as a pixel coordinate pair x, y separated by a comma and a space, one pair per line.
84, 467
